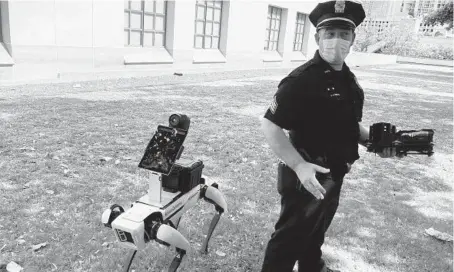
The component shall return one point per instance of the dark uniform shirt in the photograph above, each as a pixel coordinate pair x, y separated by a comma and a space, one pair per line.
321, 109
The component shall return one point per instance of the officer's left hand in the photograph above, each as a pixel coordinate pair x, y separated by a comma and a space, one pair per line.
388, 152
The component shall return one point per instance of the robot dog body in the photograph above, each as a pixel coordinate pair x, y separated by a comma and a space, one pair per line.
129, 227
174, 188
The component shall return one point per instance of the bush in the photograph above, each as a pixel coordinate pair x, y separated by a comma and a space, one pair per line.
420, 50
364, 39
401, 41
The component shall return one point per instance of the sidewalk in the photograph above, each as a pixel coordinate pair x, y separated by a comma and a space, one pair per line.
52, 74
64, 73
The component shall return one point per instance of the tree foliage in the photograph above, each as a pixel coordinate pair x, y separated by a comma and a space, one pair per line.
442, 16
399, 40
393, 36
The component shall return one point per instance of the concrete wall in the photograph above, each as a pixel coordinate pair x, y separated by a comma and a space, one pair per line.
90, 33
447, 63
32, 31
1, 25
360, 59
4, 25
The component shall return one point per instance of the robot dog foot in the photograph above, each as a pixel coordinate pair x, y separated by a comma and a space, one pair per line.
177, 260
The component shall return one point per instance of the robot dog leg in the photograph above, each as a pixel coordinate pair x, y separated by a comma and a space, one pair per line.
167, 235
211, 194
141, 224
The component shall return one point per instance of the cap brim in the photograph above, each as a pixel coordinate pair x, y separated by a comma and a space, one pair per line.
337, 22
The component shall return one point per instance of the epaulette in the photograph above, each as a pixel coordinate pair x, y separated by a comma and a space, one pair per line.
298, 71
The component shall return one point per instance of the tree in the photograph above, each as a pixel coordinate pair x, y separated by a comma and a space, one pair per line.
442, 16
374, 8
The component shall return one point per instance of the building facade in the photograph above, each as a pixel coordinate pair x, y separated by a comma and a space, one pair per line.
401, 8
116, 33
425, 7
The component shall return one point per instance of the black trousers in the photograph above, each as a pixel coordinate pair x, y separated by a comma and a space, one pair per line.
303, 221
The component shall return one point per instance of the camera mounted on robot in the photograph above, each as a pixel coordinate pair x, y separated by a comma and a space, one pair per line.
165, 149
179, 121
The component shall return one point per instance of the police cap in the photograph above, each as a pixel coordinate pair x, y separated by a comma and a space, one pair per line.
339, 13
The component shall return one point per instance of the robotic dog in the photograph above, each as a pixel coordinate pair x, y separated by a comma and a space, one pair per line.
382, 135
173, 189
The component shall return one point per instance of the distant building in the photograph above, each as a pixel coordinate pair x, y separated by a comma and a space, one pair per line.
399, 8
185, 33
425, 7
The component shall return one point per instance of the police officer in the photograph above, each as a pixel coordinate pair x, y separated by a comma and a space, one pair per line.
320, 103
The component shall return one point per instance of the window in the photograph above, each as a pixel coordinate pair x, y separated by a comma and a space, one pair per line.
299, 32
145, 23
272, 28
207, 24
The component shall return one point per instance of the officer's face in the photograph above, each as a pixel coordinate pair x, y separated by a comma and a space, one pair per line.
335, 33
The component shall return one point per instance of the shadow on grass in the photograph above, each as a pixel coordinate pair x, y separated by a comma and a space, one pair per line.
384, 230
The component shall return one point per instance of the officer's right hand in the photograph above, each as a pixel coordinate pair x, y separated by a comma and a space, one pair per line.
306, 174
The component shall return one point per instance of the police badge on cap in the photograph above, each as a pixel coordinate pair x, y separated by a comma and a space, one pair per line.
339, 13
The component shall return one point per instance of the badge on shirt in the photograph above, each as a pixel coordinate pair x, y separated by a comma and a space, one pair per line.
332, 93
273, 106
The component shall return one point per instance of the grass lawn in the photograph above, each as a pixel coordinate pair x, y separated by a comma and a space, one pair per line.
54, 185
